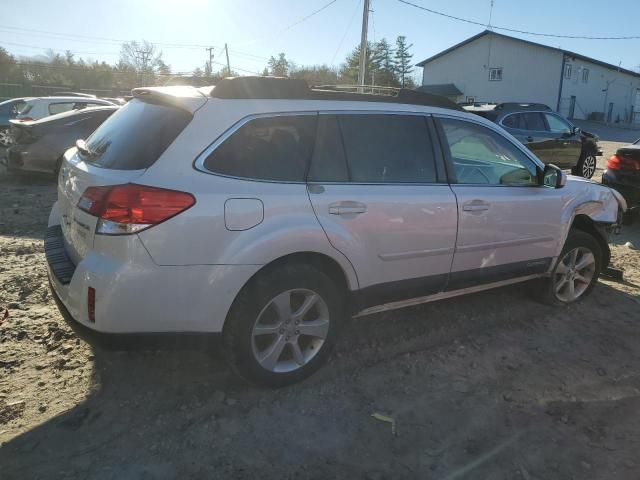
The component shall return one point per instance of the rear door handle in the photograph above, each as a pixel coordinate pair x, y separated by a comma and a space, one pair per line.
529, 139
347, 207
475, 206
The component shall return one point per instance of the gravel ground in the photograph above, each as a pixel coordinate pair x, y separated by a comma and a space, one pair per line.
488, 386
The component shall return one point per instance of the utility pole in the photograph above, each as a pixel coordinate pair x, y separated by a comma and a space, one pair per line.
210, 69
363, 44
226, 51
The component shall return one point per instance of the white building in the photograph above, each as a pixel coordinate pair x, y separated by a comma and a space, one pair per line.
498, 68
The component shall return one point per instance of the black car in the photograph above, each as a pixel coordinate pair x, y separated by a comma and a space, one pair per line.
623, 173
39, 145
547, 134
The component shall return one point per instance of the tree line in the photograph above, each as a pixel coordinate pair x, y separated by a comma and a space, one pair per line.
142, 63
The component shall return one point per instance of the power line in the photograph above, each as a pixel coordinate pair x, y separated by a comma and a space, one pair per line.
57, 50
294, 24
346, 31
525, 32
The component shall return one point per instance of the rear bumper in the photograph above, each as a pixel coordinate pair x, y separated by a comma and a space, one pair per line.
133, 295
627, 186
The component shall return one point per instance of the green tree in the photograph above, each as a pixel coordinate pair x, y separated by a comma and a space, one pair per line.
383, 64
278, 66
402, 57
317, 74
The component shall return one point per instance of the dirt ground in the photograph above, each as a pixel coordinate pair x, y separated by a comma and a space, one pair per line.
489, 386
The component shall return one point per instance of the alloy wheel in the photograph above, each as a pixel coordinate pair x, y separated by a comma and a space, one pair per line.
5, 138
589, 166
574, 274
290, 330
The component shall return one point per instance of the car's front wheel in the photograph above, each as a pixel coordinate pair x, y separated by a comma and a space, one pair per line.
283, 325
586, 166
576, 272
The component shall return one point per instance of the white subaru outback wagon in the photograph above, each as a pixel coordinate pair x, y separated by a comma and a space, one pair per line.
269, 212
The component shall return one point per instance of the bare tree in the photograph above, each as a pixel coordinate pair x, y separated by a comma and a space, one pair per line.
145, 59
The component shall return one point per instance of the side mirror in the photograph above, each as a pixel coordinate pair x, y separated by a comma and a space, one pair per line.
575, 130
553, 177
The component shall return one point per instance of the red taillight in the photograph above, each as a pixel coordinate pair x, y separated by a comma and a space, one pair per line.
617, 162
134, 205
91, 304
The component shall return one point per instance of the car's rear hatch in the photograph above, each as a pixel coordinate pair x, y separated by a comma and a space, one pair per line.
629, 168
119, 152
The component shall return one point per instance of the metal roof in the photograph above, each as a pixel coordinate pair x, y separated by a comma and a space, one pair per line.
528, 42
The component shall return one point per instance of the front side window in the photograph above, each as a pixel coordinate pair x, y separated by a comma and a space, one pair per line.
269, 148
557, 124
495, 74
481, 156
59, 108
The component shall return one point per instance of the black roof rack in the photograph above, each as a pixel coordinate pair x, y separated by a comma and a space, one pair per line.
522, 106
291, 88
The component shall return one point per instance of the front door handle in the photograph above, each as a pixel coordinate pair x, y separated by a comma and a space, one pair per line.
529, 138
475, 206
347, 207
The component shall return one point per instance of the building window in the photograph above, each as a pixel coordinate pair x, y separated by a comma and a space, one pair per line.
567, 71
495, 74
585, 75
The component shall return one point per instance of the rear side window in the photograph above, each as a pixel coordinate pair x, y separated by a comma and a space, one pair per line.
59, 108
329, 163
270, 148
135, 136
387, 148
535, 121
515, 120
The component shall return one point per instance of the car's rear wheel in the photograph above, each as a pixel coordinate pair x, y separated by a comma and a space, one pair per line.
5, 138
576, 272
586, 166
283, 325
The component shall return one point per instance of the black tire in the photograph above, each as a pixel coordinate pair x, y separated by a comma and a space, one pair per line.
252, 300
546, 287
586, 166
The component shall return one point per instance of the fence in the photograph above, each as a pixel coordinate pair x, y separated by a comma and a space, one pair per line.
14, 90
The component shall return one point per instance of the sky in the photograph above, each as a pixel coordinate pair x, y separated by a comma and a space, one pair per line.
257, 29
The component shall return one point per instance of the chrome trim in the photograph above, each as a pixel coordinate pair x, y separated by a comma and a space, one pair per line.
441, 296
505, 243
415, 254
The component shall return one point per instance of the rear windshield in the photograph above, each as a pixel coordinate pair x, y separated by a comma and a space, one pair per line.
135, 136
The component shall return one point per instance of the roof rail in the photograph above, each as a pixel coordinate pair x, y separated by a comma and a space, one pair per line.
522, 105
298, 89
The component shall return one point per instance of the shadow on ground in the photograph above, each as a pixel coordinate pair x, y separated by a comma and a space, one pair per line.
493, 385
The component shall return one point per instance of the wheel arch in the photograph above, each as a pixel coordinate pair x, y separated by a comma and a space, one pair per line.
586, 224
330, 266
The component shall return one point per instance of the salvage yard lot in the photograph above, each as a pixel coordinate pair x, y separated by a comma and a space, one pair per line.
492, 385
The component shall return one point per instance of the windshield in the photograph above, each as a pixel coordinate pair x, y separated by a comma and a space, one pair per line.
134, 137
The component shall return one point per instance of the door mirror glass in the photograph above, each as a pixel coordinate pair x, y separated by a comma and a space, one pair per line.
553, 177
576, 130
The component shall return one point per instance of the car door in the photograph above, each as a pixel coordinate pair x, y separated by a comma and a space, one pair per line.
568, 144
384, 203
531, 129
508, 225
